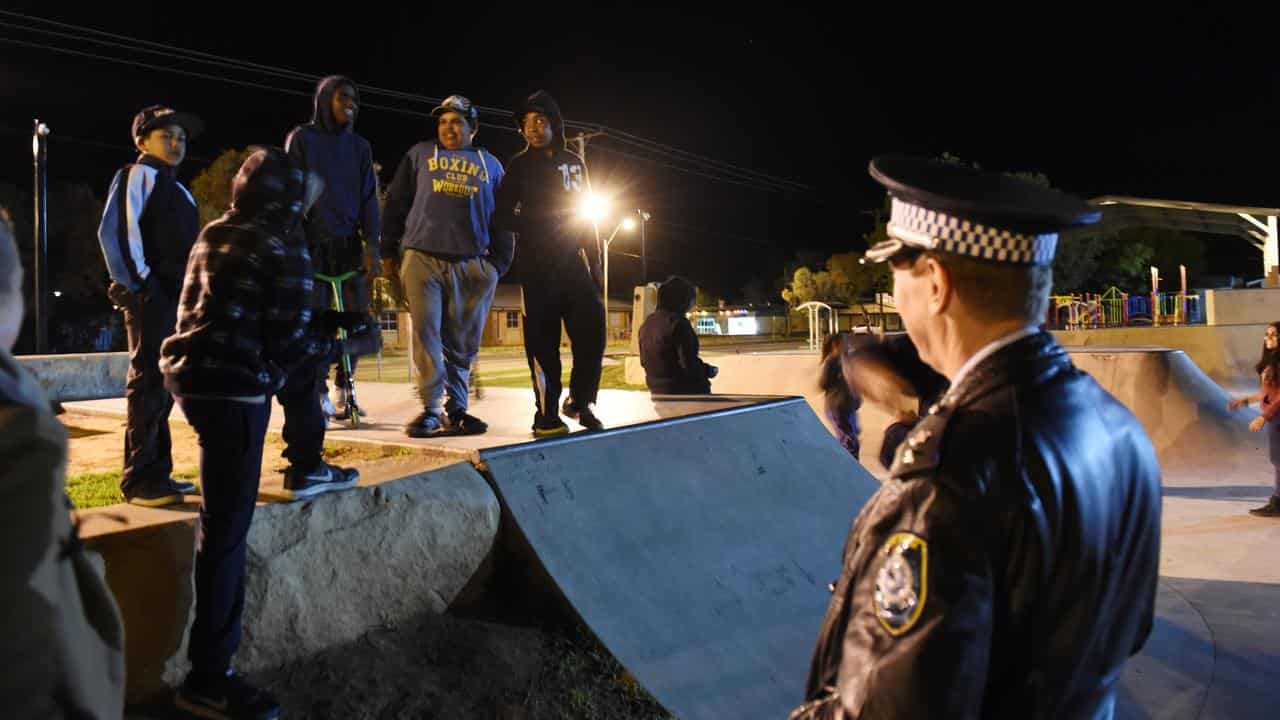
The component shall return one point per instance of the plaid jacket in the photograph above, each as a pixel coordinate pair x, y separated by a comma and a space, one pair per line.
244, 316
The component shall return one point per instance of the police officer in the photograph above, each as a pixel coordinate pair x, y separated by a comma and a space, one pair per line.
1008, 566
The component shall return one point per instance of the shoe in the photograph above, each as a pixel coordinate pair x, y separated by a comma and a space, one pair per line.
343, 406
426, 424
463, 424
156, 494
324, 478
229, 697
326, 407
585, 415
548, 426
1271, 509
184, 487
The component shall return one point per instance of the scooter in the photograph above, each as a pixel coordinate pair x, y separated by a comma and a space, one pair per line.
352, 409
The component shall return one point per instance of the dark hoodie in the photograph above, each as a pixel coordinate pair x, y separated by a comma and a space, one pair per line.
669, 347
244, 319
539, 198
344, 161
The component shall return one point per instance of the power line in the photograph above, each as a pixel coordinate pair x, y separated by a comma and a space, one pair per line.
704, 231
633, 140
753, 186
113, 147
735, 174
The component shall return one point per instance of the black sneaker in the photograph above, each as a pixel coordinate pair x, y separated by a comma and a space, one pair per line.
464, 424
229, 697
548, 426
585, 415
426, 424
1271, 509
156, 494
184, 487
324, 478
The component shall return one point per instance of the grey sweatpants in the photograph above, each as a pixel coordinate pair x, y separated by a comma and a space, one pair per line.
449, 302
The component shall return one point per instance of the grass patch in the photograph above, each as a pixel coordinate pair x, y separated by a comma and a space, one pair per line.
96, 489
355, 452
612, 377
587, 683
88, 490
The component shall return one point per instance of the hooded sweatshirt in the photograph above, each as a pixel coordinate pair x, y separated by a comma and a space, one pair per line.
244, 318
441, 202
539, 199
669, 347
344, 160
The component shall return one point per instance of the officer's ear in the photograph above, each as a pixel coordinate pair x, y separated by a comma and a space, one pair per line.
940, 291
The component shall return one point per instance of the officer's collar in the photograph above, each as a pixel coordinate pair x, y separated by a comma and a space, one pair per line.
990, 349
1023, 356
1026, 354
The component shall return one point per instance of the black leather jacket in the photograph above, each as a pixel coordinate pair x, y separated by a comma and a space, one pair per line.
1008, 568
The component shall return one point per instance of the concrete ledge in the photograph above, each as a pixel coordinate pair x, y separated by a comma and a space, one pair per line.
89, 376
320, 572
1226, 353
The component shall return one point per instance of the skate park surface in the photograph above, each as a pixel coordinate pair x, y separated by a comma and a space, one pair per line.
696, 538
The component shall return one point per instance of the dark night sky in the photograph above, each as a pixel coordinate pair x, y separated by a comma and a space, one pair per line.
1179, 106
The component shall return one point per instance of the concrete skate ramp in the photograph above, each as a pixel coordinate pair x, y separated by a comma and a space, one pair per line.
1183, 411
697, 549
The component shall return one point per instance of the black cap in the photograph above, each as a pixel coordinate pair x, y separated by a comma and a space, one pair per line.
154, 116
956, 209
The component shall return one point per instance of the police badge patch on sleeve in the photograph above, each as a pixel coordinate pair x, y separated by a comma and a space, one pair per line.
902, 582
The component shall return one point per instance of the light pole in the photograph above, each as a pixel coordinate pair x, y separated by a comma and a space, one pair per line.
40, 155
628, 223
644, 257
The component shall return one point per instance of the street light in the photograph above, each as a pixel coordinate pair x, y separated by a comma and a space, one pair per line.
644, 257
593, 207
40, 154
627, 223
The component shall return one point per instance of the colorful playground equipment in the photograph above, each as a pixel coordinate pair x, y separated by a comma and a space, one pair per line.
1114, 308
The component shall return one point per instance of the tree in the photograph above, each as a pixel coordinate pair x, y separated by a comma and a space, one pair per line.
212, 187
802, 288
78, 272
1091, 262
803, 258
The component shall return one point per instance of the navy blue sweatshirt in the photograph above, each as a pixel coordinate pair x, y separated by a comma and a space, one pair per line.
344, 160
441, 202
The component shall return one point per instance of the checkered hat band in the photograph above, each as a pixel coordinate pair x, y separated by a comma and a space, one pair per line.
932, 230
